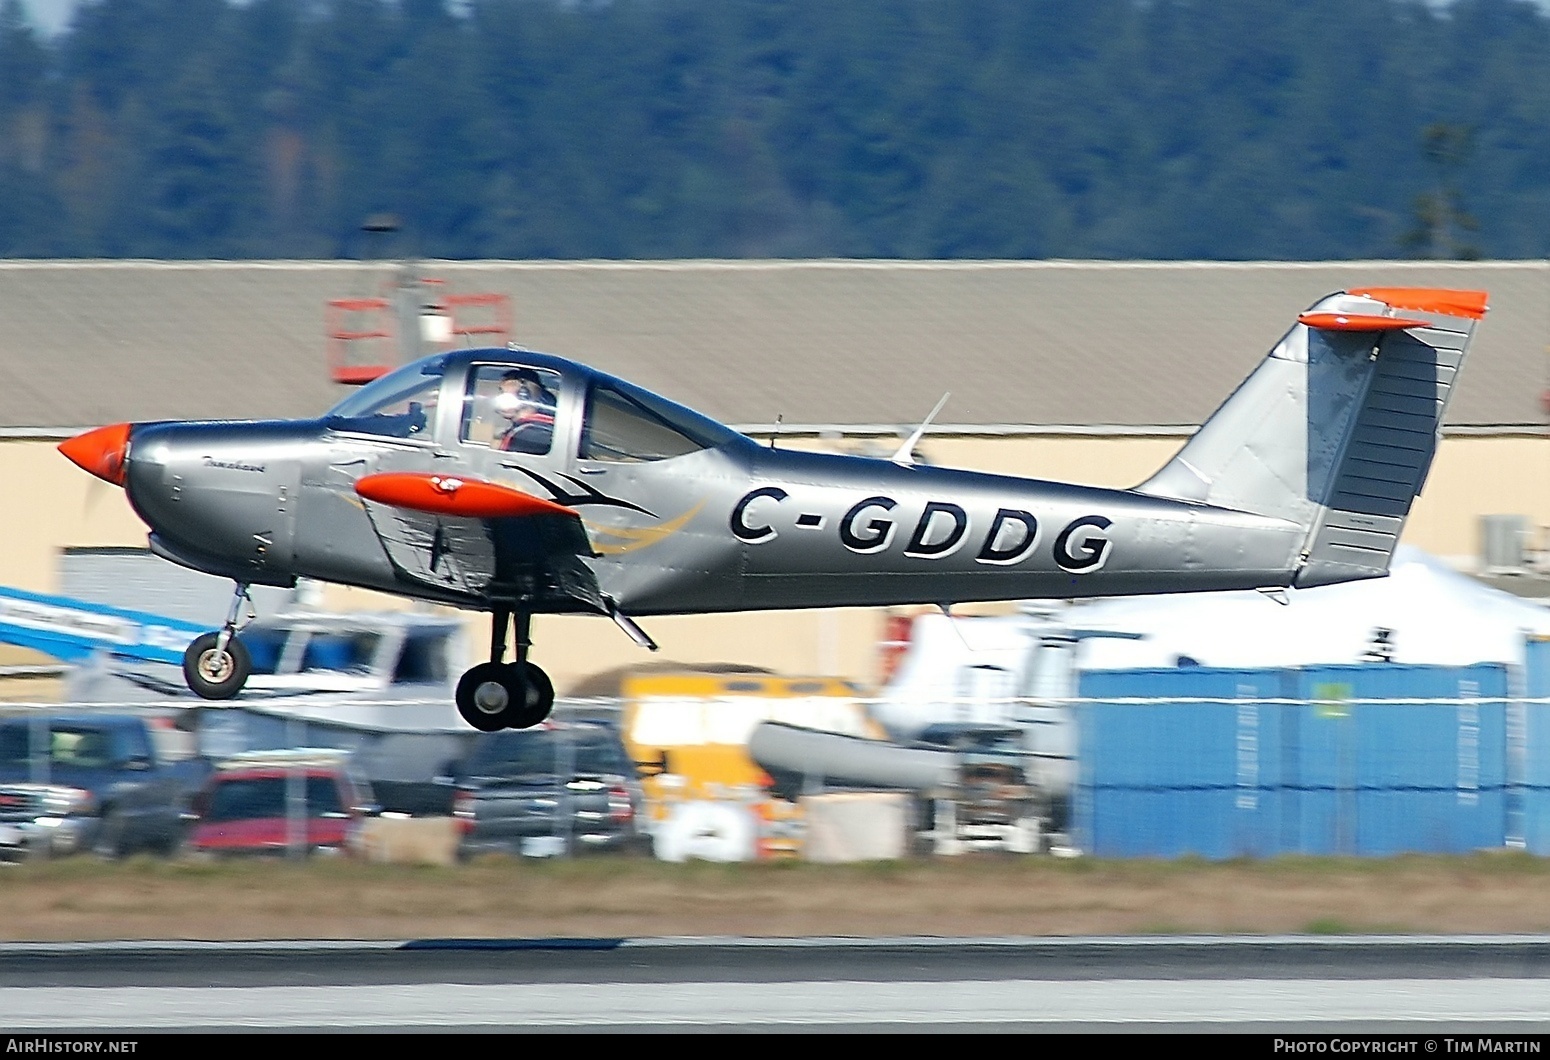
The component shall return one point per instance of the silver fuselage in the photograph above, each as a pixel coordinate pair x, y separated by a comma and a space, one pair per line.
733, 526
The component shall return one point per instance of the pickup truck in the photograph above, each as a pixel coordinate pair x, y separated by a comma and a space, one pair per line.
90, 782
551, 790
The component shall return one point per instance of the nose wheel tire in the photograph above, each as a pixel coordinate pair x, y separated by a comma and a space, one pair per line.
495, 696
214, 672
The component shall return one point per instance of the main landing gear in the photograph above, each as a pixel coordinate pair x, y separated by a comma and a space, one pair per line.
217, 665
498, 695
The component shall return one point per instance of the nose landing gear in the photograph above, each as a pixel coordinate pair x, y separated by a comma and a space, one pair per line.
498, 695
217, 665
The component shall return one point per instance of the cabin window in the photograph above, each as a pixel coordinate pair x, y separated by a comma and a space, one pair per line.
424, 658
264, 648
511, 407
402, 404
629, 425
256, 798
340, 652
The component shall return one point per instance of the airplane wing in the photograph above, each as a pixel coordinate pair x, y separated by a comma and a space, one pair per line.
468, 535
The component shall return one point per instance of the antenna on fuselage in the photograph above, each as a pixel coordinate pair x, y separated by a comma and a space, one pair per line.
776, 429
1277, 593
952, 620
905, 457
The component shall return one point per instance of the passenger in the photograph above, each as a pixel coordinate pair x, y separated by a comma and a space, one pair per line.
528, 407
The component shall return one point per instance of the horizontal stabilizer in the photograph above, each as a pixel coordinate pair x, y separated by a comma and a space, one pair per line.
1358, 322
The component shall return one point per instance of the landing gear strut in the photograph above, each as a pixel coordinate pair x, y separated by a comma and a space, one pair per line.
217, 665
498, 695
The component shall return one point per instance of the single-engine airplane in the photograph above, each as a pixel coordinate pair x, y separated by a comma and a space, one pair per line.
519, 483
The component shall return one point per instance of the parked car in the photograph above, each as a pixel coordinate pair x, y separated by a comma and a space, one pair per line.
559, 788
73, 783
267, 802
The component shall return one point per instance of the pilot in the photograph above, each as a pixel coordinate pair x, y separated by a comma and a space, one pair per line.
528, 408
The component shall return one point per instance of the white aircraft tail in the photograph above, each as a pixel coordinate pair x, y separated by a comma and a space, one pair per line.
1337, 427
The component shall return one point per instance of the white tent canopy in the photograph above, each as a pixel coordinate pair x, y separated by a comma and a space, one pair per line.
1436, 615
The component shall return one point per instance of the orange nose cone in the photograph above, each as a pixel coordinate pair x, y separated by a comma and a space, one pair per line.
100, 451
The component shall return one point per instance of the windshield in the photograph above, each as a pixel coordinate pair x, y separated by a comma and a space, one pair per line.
527, 754
264, 648
83, 748
285, 651
402, 404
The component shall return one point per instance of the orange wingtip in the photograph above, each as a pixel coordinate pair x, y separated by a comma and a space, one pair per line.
454, 495
1472, 304
1358, 322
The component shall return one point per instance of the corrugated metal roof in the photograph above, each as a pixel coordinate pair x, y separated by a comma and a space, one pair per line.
834, 342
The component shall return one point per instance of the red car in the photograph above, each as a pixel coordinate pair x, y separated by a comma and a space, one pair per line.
266, 802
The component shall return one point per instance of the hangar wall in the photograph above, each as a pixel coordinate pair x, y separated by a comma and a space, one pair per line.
853, 342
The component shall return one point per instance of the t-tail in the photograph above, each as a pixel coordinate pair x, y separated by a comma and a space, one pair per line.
1337, 428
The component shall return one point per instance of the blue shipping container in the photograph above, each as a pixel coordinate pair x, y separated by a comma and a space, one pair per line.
1318, 772
1426, 774
1167, 778
1536, 740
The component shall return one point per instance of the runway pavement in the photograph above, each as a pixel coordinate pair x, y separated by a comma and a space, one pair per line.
1415, 985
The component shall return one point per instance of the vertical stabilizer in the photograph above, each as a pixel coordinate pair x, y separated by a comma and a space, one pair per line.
1337, 427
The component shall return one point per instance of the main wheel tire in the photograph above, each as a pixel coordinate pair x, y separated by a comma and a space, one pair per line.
536, 699
169, 843
213, 672
110, 840
486, 696
187, 852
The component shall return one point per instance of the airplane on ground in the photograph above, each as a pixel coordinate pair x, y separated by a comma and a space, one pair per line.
519, 483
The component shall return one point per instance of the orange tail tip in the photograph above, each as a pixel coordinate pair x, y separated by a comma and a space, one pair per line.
1472, 304
100, 451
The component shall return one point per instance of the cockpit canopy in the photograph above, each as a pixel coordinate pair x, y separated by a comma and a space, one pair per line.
520, 401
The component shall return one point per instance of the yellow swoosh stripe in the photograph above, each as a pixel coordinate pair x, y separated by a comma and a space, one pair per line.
633, 538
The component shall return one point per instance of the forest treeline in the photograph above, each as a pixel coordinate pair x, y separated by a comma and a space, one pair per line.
1165, 129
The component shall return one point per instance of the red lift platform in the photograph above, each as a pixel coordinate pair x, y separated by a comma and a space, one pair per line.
366, 336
